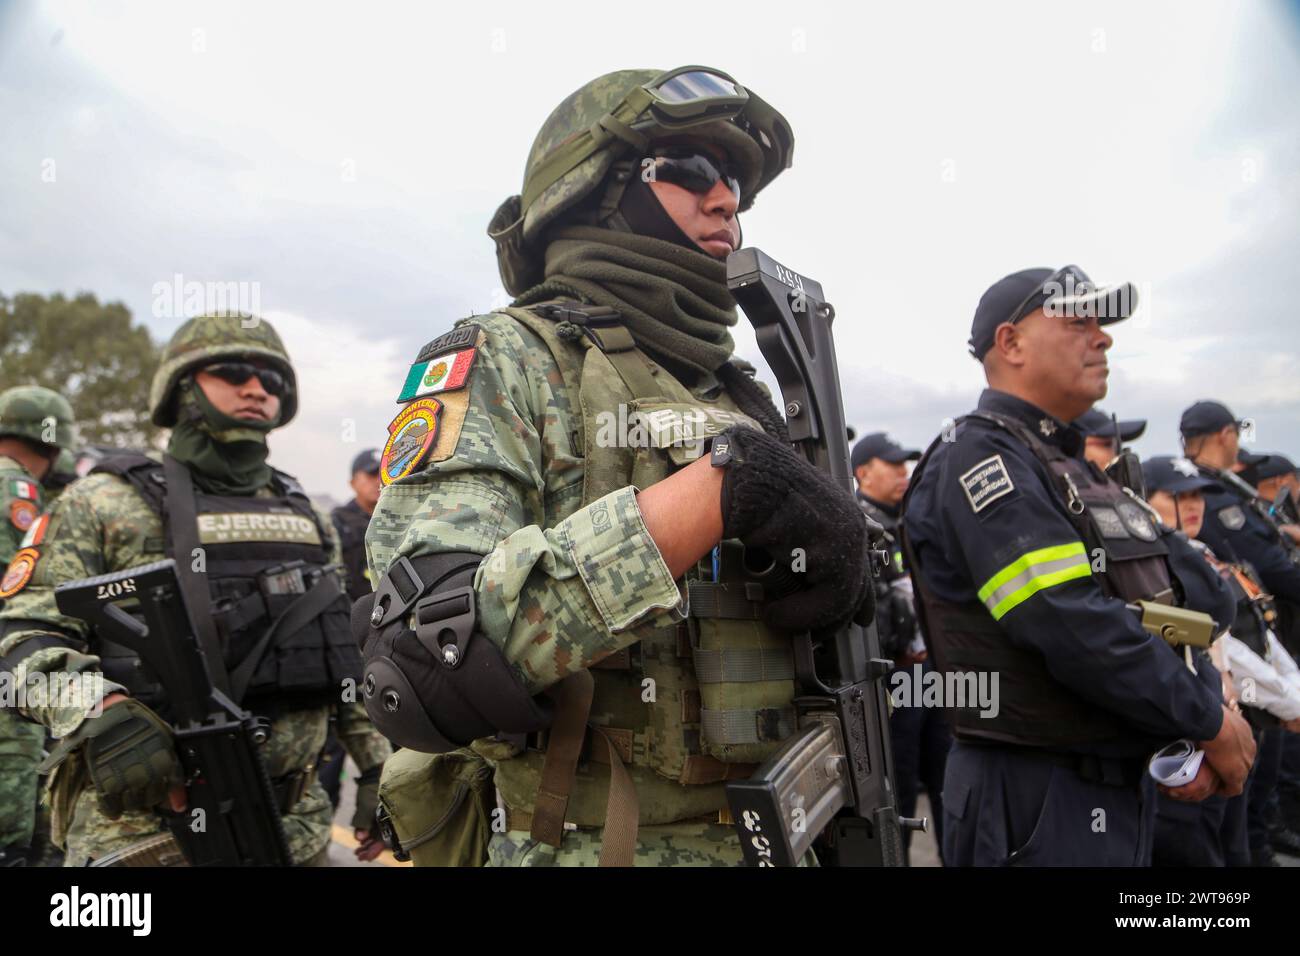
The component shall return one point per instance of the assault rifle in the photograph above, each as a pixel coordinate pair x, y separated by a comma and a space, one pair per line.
232, 818
834, 778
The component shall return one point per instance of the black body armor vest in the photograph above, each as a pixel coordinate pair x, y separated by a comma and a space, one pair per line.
351, 524
1035, 708
266, 564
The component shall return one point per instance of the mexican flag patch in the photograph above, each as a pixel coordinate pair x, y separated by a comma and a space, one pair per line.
22, 488
442, 373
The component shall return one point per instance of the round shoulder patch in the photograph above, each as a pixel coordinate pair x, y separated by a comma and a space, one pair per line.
22, 513
410, 437
1232, 517
19, 572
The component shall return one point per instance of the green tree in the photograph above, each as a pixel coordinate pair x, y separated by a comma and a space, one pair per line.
88, 351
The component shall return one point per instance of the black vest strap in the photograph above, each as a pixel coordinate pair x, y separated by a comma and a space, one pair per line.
182, 530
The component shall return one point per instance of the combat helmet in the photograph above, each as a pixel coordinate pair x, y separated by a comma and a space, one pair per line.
594, 137
211, 338
37, 414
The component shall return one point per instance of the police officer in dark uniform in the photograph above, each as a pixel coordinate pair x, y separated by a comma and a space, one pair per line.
353, 518
1238, 526
1100, 446
920, 735
1024, 557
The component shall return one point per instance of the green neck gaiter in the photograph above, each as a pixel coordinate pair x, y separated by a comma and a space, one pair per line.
227, 456
674, 300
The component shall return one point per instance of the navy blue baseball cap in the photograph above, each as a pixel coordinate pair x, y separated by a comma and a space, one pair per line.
367, 461
1095, 423
1175, 475
1205, 417
1067, 292
880, 445
1273, 466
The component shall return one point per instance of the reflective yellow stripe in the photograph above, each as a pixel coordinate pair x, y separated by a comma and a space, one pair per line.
1031, 573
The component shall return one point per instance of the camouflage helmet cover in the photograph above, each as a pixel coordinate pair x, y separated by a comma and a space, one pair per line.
516, 230
212, 338
38, 414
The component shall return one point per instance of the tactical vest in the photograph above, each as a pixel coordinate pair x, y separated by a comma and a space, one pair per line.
694, 704
1035, 709
265, 561
351, 524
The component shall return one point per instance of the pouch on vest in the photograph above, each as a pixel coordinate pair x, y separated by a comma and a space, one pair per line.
438, 806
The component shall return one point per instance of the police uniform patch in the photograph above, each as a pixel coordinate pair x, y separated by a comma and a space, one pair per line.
410, 437
22, 513
1109, 523
1136, 520
986, 483
443, 365
1232, 517
19, 572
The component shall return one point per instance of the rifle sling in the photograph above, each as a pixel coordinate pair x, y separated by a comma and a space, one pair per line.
306, 607
183, 539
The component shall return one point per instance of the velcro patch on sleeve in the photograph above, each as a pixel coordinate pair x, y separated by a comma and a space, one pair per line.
411, 435
22, 488
986, 483
443, 365
19, 572
22, 514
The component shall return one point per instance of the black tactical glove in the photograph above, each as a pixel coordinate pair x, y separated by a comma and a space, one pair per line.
773, 499
129, 756
367, 802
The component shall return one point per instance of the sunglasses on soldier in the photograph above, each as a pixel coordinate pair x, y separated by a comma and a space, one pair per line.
690, 168
237, 373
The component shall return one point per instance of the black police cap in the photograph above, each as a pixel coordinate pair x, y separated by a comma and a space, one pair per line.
1175, 476
1205, 417
1067, 289
1273, 466
367, 461
880, 445
1095, 423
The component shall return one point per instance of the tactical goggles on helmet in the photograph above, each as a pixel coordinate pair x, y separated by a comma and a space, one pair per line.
690, 169
679, 99
237, 373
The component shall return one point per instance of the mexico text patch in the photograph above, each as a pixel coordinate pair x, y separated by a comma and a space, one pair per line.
986, 482
443, 365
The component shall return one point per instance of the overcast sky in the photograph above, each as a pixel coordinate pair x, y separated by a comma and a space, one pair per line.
344, 160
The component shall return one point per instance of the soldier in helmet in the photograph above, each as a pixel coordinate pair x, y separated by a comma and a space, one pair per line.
36, 427
233, 522
550, 498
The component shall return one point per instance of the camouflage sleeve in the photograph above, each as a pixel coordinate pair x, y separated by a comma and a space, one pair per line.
366, 746
71, 546
560, 586
20, 502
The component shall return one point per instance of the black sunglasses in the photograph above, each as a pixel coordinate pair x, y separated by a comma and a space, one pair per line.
691, 169
237, 373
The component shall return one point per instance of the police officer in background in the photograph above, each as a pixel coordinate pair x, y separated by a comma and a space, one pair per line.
1237, 523
353, 518
1099, 444
920, 735
1024, 557
350, 521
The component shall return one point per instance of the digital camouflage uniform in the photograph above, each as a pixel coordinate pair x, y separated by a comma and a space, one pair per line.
99, 525
43, 416
571, 579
